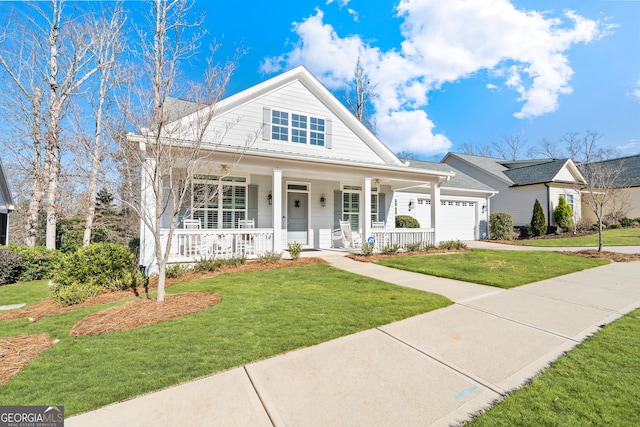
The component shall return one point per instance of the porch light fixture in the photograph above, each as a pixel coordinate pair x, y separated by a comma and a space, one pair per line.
323, 200
270, 198
411, 204
484, 208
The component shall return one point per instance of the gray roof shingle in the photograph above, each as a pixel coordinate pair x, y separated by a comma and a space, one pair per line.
459, 181
630, 176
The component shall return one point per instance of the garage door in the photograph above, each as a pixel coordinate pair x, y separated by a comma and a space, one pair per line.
457, 219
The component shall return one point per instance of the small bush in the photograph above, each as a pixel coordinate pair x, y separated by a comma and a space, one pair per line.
206, 265
626, 222
390, 249
295, 249
10, 266
406, 221
74, 294
99, 265
270, 257
450, 245
367, 248
501, 226
538, 221
37, 263
614, 226
175, 271
563, 216
413, 247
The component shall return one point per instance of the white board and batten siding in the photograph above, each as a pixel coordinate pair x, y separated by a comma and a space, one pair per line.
297, 99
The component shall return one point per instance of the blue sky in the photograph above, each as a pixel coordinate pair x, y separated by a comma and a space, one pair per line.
455, 72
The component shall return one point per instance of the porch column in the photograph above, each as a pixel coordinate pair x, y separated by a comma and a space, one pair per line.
366, 227
277, 210
435, 208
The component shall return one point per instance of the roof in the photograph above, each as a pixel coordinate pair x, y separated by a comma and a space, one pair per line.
458, 181
6, 192
519, 172
630, 175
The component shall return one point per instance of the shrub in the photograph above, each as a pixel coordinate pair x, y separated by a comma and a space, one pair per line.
563, 216
295, 249
538, 221
37, 263
10, 266
390, 249
176, 270
413, 247
270, 257
406, 221
626, 222
367, 248
614, 226
97, 266
452, 245
208, 264
501, 226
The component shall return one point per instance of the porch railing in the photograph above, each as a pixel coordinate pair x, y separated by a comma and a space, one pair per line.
191, 245
402, 237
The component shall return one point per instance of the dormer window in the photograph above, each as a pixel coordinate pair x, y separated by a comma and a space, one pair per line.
296, 128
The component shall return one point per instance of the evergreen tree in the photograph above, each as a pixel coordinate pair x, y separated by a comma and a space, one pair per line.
538, 221
563, 215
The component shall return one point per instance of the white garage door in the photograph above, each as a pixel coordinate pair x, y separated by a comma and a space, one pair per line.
457, 219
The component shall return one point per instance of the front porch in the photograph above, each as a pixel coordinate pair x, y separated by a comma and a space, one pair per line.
191, 245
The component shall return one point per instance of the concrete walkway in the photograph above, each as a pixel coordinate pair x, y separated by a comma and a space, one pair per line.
432, 369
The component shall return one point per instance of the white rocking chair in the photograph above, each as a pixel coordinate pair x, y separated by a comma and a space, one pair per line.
349, 238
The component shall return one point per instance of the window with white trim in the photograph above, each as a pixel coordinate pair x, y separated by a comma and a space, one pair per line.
301, 129
569, 199
206, 195
351, 196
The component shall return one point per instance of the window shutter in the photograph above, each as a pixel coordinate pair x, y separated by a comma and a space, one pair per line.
381, 207
337, 208
328, 134
266, 124
252, 203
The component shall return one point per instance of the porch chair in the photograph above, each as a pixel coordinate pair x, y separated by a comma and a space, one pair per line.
349, 237
377, 224
191, 224
246, 223
191, 241
224, 246
244, 242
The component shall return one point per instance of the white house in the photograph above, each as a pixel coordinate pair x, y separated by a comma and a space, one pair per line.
312, 165
6, 207
520, 183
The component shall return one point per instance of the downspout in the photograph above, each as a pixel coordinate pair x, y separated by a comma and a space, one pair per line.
548, 204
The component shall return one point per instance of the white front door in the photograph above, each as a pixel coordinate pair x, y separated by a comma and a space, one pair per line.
297, 217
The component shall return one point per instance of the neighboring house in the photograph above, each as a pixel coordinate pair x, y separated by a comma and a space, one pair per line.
313, 165
6, 207
629, 180
520, 183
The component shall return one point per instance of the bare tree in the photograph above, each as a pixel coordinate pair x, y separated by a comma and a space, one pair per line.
604, 185
168, 145
108, 46
511, 147
546, 148
364, 93
477, 150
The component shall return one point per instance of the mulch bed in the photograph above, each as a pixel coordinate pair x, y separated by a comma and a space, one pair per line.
143, 312
18, 351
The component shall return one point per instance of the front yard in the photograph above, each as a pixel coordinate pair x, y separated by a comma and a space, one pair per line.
261, 314
500, 268
614, 237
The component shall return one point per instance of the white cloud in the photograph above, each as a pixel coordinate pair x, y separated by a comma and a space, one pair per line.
491, 86
411, 131
631, 148
444, 42
636, 92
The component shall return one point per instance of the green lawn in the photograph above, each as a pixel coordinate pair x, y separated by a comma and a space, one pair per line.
261, 314
504, 269
616, 237
596, 384
26, 292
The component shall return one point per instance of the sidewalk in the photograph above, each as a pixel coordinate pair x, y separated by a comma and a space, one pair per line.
432, 369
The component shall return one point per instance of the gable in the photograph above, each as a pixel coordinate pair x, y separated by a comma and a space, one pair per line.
251, 115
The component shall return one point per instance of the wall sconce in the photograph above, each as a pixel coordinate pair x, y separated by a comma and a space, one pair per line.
411, 204
323, 200
270, 198
484, 208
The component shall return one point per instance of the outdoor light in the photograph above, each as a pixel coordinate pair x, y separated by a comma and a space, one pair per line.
484, 208
323, 200
270, 198
411, 204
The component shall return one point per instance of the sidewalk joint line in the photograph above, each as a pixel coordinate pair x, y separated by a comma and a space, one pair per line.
517, 322
266, 410
494, 388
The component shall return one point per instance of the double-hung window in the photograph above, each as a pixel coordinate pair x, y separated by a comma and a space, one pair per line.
280, 130
569, 199
207, 194
351, 197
